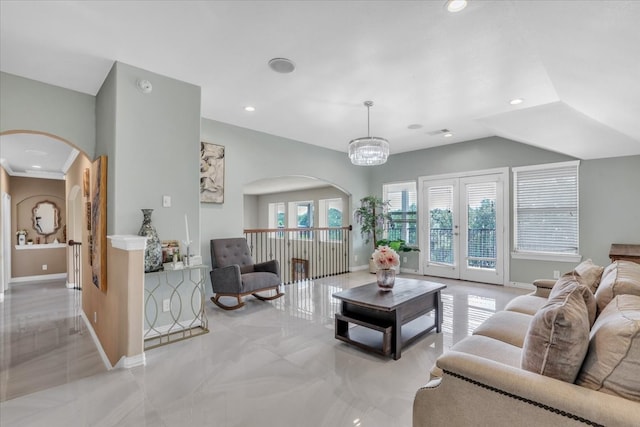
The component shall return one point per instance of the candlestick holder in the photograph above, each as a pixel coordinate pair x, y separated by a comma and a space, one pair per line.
187, 252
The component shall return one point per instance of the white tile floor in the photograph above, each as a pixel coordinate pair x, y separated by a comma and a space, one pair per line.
271, 363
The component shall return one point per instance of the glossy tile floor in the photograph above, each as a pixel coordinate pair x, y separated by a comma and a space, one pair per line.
271, 363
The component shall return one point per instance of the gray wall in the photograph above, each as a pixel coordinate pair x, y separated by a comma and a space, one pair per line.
153, 144
607, 208
154, 151
33, 106
250, 211
251, 156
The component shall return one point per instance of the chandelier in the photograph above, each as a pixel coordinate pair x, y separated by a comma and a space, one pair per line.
369, 150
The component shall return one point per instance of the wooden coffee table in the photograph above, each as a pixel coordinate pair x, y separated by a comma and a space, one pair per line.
387, 321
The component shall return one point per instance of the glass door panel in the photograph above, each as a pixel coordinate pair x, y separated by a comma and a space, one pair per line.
461, 230
441, 230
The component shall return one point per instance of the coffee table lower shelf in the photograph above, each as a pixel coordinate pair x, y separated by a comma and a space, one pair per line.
377, 337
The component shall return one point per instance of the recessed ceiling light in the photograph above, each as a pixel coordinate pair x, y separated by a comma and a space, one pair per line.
516, 101
448, 135
250, 108
454, 6
36, 166
282, 65
415, 126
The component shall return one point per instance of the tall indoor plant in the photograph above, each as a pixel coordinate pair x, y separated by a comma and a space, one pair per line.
372, 216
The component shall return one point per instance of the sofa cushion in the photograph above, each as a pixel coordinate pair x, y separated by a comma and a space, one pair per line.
590, 274
491, 349
507, 326
558, 336
571, 282
526, 304
613, 360
620, 277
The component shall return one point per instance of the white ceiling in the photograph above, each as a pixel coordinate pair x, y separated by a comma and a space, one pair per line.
575, 63
36, 156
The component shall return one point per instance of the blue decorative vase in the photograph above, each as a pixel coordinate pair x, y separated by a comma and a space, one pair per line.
153, 249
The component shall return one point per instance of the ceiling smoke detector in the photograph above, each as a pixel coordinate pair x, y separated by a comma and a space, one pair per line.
282, 65
144, 86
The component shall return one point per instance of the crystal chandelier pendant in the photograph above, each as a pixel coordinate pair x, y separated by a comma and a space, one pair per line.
369, 150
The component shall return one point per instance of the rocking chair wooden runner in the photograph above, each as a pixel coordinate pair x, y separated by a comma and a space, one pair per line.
235, 275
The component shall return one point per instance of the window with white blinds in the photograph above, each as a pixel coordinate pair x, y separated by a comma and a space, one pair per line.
546, 208
403, 207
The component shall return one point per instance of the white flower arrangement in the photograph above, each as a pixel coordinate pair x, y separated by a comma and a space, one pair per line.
385, 258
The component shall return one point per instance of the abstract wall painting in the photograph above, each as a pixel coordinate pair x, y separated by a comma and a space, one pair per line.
211, 173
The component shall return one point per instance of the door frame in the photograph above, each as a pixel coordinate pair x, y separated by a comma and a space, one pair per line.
506, 209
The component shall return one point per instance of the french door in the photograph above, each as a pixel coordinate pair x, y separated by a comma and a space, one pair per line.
464, 222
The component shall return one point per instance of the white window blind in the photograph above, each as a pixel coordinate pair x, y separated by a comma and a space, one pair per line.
403, 207
441, 198
546, 208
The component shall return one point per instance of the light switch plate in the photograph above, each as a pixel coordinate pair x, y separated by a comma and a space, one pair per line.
166, 201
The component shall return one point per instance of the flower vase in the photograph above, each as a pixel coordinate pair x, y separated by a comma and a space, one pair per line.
153, 249
386, 278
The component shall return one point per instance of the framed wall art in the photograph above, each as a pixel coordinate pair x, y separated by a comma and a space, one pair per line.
211, 173
85, 182
99, 223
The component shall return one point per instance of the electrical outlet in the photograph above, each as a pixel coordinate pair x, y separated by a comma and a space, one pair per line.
44, 266
355, 258
95, 317
556, 274
166, 201
166, 306
404, 259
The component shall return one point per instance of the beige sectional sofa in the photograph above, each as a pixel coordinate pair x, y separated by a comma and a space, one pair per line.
567, 354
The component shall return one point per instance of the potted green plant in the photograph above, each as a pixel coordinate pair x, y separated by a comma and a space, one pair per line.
398, 245
372, 218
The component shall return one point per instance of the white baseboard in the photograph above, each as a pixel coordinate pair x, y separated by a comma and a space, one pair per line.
103, 355
70, 285
409, 271
520, 285
38, 278
359, 267
131, 361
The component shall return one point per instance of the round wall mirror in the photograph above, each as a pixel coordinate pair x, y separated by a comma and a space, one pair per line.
46, 218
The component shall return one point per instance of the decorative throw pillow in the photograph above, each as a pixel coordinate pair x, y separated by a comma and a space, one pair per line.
568, 283
558, 336
613, 358
620, 277
590, 274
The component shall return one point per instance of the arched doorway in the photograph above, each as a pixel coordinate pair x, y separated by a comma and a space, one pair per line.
35, 167
301, 221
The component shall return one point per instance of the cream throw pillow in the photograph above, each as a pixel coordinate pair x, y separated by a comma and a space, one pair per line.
612, 364
590, 274
620, 277
558, 336
566, 284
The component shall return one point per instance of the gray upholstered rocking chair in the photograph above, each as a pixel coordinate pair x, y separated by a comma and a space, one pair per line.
235, 275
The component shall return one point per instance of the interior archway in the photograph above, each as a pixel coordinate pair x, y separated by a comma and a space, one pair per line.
38, 155
260, 193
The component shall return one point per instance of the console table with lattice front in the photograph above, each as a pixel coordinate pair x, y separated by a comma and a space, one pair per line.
174, 302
